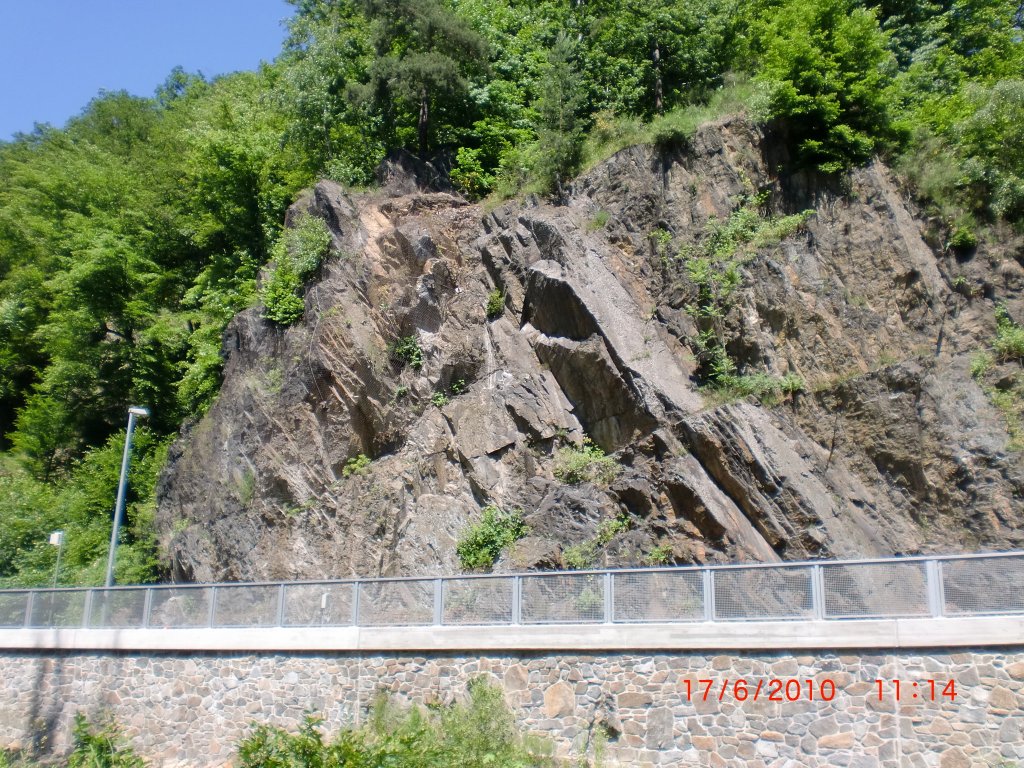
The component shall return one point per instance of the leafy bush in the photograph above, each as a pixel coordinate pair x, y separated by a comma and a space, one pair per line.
826, 67
478, 734
481, 543
469, 174
297, 254
598, 221
1009, 341
100, 747
962, 238
586, 463
281, 300
357, 465
609, 529
408, 352
580, 557
495, 304
981, 363
660, 555
440, 399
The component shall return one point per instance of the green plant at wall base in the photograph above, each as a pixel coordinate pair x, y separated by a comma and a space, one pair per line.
357, 465
408, 352
478, 733
495, 304
585, 463
100, 747
482, 543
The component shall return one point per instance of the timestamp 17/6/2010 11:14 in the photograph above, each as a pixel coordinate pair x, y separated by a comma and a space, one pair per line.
807, 689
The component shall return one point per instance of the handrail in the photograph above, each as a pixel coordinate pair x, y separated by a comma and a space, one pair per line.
979, 584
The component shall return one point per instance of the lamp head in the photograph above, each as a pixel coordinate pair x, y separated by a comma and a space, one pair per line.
139, 411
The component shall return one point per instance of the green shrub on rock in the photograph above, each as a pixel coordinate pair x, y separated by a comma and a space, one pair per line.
482, 543
585, 463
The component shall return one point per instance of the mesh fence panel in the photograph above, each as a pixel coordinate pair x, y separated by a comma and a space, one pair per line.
12, 609
246, 606
988, 585
570, 598
180, 607
396, 603
477, 601
318, 605
763, 593
659, 596
58, 608
117, 608
875, 589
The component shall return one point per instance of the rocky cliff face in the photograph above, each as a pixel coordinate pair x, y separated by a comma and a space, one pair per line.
891, 447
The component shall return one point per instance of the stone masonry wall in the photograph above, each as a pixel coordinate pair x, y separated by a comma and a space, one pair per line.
192, 709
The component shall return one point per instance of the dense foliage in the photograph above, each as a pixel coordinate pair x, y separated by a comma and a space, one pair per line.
129, 238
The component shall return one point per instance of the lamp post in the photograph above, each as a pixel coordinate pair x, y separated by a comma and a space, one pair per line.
122, 490
57, 540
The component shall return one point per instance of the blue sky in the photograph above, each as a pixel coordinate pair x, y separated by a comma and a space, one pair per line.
56, 55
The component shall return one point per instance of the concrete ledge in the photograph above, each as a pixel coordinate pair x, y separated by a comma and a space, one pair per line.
764, 635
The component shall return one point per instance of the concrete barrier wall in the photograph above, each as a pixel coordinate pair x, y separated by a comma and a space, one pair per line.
191, 708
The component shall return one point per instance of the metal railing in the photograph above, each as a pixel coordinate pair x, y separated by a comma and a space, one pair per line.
964, 585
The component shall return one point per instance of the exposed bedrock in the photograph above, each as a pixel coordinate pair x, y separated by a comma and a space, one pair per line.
891, 447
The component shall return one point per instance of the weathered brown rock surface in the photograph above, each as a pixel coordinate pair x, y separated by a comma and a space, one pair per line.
892, 448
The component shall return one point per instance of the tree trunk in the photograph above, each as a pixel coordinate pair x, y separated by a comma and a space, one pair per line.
659, 104
424, 120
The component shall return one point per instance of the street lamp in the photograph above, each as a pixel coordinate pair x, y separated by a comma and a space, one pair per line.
122, 489
57, 540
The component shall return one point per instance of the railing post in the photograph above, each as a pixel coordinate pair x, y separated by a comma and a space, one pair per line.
213, 607
933, 576
280, 605
709, 594
28, 608
438, 602
817, 592
147, 607
355, 603
517, 600
87, 609
609, 597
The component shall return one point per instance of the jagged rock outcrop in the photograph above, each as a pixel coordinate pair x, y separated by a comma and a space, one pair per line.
892, 447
